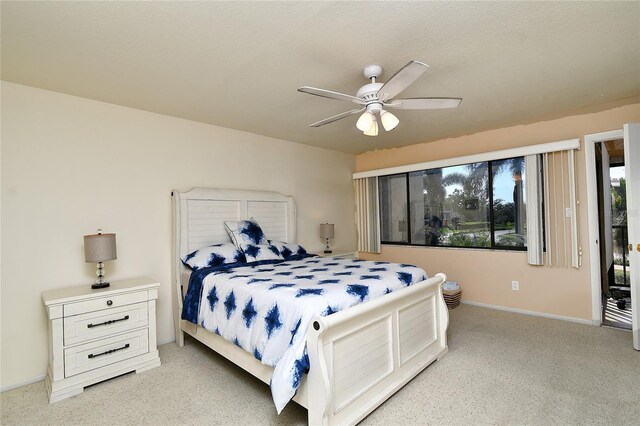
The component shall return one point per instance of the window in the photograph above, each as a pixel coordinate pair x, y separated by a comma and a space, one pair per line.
509, 212
479, 205
393, 208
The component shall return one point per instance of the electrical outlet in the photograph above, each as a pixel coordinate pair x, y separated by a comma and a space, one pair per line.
515, 285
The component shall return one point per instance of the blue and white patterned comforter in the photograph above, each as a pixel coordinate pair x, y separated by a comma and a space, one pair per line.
266, 308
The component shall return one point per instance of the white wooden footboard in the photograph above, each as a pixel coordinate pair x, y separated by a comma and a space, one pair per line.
361, 356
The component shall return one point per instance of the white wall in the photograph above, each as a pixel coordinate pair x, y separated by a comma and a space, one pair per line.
71, 165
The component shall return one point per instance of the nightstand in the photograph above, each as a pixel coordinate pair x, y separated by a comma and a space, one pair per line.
344, 254
95, 335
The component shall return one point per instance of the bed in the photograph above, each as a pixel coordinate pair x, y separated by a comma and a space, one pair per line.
408, 326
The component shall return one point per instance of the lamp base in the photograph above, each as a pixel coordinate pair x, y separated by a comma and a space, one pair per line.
100, 285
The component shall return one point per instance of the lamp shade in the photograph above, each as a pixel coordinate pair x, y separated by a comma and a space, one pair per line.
99, 248
326, 230
389, 121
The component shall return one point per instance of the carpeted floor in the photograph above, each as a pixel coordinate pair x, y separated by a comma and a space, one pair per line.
502, 368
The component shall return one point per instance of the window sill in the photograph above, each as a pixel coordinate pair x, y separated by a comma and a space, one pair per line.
415, 246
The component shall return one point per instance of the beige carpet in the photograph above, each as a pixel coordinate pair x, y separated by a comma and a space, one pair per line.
502, 368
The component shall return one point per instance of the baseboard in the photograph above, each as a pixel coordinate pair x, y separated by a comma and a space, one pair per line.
532, 313
21, 384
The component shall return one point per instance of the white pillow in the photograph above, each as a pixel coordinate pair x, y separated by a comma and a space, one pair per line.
259, 252
245, 232
215, 255
288, 250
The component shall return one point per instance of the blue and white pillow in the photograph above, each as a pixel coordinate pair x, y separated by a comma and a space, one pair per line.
215, 255
259, 252
245, 232
289, 250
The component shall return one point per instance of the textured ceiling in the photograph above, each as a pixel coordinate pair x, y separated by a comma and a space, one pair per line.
238, 64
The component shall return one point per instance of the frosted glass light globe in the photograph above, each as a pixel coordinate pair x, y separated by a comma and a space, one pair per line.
373, 131
389, 121
364, 122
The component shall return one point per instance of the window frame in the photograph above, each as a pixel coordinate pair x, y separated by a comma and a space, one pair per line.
491, 213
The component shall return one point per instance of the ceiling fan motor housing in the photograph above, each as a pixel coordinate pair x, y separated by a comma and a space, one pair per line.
369, 92
374, 108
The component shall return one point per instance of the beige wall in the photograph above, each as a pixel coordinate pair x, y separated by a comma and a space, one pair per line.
71, 165
484, 275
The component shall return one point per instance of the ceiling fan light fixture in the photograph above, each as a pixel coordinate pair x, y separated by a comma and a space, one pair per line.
374, 96
365, 121
373, 131
389, 121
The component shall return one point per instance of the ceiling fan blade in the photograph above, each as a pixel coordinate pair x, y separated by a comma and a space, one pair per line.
336, 117
424, 103
330, 94
401, 80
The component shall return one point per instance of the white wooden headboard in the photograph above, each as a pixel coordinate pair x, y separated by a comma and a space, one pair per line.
199, 215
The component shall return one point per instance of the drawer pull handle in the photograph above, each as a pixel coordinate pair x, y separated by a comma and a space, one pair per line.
109, 302
108, 352
126, 317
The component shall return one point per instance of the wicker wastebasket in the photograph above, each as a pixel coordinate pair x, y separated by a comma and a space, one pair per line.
452, 298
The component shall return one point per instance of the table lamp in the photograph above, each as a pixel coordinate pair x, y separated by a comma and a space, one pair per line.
100, 248
326, 232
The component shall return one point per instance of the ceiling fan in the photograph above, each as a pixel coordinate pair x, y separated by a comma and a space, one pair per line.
375, 97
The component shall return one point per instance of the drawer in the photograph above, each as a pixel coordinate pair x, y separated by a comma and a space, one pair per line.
105, 303
110, 350
93, 325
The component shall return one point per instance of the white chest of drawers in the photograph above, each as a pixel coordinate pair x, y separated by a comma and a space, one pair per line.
95, 335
